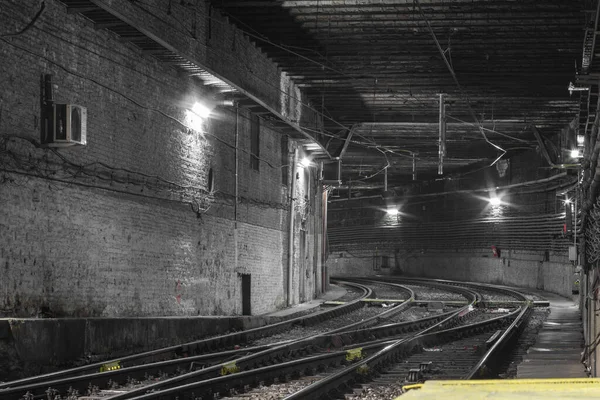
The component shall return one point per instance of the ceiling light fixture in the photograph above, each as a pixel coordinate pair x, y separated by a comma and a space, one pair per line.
495, 201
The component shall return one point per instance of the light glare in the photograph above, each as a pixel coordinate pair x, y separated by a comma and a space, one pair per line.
201, 110
495, 201
305, 162
194, 121
392, 211
575, 153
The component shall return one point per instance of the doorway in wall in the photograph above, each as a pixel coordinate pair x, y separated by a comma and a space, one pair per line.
246, 295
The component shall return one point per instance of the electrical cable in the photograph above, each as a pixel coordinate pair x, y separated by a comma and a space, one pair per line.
35, 170
179, 122
490, 130
321, 132
30, 23
133, 101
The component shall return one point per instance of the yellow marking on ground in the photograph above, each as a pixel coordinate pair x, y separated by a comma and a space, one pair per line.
513, 389
229, 368
354, 354
110, 366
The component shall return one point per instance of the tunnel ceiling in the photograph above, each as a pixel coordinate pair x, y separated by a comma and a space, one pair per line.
375, 71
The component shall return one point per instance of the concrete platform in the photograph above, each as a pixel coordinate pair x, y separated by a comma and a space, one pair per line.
521, 389
557, 351
335, 292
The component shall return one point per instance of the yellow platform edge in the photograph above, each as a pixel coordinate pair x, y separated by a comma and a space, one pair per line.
503, 389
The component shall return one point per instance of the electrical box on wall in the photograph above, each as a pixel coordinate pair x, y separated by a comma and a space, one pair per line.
65, 125
572, 253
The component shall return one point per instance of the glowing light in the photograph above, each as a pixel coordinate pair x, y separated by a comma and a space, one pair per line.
580, 140
196, 116
567, 201
305, 162
495, 201
201, 110
392, 211
575, 153
193, 120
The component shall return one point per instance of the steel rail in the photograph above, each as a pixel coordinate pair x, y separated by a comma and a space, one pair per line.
253, 377
427, 281
253, 361
258, 355
344, 379
39, 383
488, 364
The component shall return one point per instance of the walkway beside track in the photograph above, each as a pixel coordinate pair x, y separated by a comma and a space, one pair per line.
335, 292
557, 351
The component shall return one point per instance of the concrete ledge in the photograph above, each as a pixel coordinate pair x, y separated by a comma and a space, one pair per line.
58, 340
30, 346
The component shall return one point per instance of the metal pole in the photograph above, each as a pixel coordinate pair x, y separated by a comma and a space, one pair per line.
291, 230
237, 134
442, 144
414, 166
385, 183
235, 204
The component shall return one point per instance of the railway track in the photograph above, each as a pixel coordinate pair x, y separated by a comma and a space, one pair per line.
191, 357
339, 357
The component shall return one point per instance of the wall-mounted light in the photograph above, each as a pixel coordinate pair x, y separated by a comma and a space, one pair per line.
567, 201
392, 211
576, 153
201, 110
580, 140
305, 162
196, 116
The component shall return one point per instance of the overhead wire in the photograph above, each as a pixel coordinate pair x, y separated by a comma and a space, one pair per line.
490, 130
370, 143
337, 70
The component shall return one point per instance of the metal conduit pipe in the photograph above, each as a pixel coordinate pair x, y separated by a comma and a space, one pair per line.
500, 188
593, 137
588, 202
541, 226
538, 233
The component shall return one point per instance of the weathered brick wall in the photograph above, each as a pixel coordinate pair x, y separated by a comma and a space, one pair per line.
111, 228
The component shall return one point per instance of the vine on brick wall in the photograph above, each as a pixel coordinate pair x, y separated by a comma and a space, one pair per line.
48, 163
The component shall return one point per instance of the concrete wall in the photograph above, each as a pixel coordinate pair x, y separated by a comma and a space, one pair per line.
34, 346
515, 268
128, 225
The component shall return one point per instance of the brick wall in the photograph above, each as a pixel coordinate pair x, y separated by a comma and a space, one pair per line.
126, 225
